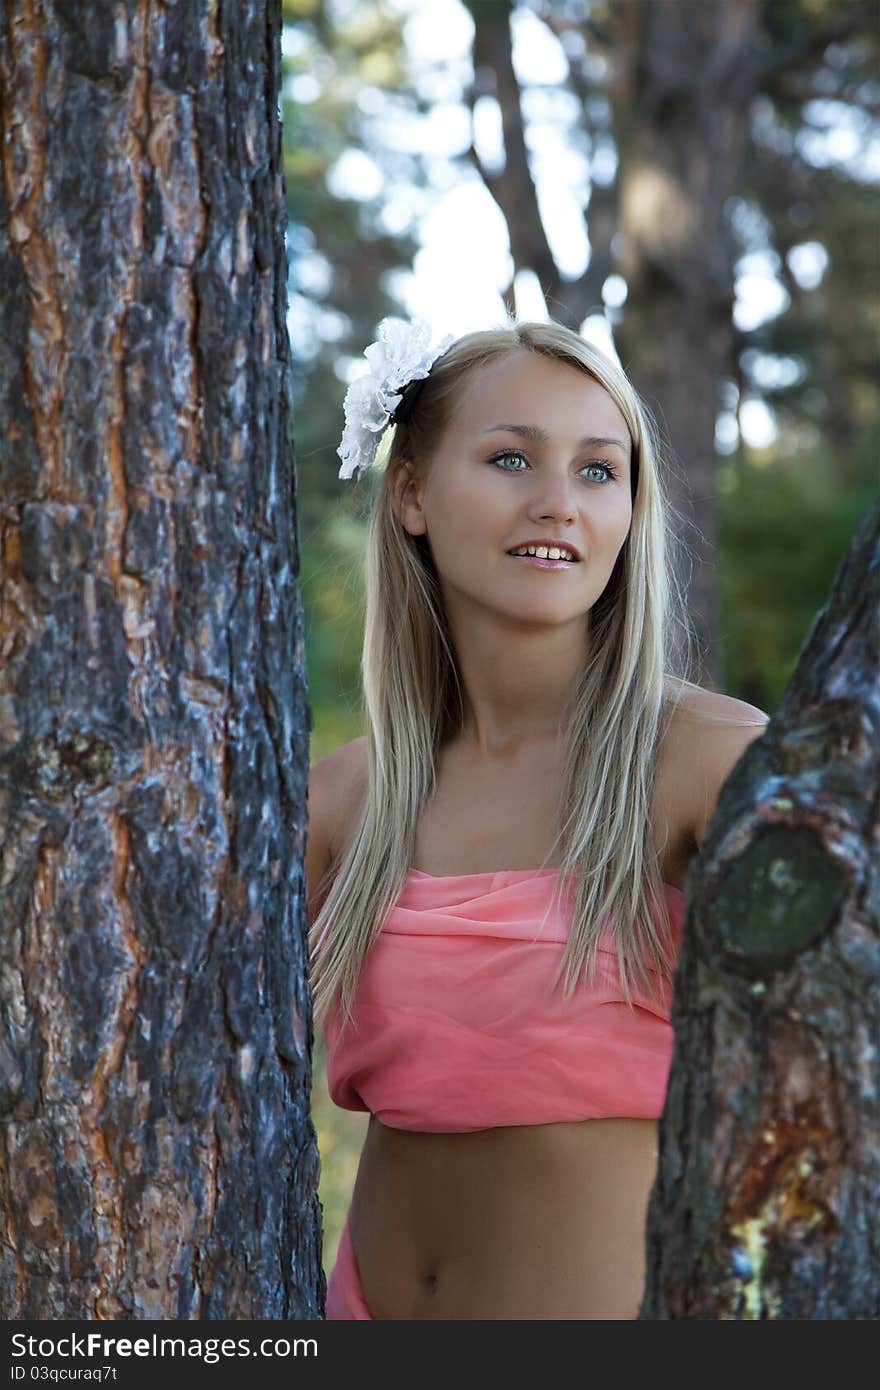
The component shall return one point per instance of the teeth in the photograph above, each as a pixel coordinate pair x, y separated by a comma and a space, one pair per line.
544, 552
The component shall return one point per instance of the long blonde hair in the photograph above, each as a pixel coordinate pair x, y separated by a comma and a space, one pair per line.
613, 724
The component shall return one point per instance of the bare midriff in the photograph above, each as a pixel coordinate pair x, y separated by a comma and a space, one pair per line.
526, 1221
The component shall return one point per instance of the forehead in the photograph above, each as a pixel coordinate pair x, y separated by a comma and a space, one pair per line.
528, 388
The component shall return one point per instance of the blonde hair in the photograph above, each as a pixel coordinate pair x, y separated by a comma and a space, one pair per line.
613, 723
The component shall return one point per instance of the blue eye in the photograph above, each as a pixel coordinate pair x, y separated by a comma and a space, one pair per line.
610, 472
508, 454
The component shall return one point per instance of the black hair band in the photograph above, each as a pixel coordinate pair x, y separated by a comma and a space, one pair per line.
405, 406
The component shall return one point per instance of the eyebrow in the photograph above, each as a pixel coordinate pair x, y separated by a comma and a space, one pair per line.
535, 432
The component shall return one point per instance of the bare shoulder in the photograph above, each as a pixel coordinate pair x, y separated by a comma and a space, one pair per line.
334, 783
709, 734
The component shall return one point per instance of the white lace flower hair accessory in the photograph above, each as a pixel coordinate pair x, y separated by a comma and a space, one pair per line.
401, 355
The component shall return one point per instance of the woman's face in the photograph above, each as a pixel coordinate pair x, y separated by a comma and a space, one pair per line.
491, 488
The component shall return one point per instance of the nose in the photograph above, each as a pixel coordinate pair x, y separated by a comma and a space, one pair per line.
554, 499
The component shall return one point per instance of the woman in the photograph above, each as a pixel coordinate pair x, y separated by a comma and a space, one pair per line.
496, 869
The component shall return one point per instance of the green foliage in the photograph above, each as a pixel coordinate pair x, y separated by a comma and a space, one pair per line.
331, 577
339, 255
784, 526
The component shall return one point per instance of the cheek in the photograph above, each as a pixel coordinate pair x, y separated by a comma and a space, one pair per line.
623, 519
611, 523
609, 535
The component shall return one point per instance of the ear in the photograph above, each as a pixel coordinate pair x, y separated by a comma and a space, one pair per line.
406, 497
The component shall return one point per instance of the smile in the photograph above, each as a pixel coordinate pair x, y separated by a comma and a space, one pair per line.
544, 564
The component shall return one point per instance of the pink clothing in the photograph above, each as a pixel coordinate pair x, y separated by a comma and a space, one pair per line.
457, 1029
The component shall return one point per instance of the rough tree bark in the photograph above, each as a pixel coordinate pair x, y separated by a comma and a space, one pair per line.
157, 1155
766, 1198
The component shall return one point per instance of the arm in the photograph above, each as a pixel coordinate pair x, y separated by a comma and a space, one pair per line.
337, 785
322, 799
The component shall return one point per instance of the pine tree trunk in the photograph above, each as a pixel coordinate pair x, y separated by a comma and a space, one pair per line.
766, 1199
157, 1155
682, 95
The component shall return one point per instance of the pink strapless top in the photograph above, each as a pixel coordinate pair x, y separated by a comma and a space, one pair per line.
457, 1028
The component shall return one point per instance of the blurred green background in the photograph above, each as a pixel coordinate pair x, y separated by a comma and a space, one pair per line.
393, 156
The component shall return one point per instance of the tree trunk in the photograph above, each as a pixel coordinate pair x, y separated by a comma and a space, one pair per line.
684, 80
512, 186
765, 1203
157, 1155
